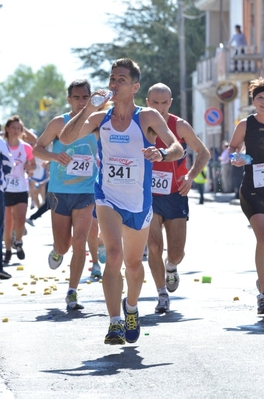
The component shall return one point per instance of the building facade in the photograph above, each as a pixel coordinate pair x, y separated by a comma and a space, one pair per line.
222, 75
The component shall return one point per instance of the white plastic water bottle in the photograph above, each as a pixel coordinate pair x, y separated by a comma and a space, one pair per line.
237, 156
98, 99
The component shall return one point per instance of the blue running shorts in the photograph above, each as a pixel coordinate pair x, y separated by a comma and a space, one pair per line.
172, 206
64, 204
136, 221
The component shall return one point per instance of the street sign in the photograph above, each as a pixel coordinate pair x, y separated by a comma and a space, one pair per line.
213, 116
213, 129
226, 91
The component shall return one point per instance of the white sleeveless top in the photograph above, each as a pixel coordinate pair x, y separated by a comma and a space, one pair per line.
17, 180
124, 174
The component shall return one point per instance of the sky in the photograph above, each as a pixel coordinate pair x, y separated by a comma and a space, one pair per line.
37, 33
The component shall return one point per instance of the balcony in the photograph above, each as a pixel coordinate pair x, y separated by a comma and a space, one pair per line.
211, 5
234, 63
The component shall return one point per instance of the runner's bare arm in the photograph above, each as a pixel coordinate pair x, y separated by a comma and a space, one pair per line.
154, 124
80, 125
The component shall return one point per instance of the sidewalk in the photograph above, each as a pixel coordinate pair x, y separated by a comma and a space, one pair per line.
215, 197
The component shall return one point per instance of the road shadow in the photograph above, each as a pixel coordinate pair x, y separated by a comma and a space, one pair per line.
58, 315
113, 364
256, 328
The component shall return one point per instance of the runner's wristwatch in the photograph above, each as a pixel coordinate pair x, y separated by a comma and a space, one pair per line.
163, 153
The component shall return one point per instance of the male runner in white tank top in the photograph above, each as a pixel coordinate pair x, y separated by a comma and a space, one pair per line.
126, 145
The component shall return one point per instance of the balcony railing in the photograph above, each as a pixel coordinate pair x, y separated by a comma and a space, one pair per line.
229, 61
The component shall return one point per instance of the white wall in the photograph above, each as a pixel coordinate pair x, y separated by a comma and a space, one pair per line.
236, 15
199, 124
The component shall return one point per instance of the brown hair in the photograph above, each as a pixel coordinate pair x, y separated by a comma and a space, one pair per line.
256, 86
14, 118
131, 65
79, 83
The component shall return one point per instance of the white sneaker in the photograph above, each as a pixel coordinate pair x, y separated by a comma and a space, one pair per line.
258, 287
163, 305
172, 278
30, 221
55, 260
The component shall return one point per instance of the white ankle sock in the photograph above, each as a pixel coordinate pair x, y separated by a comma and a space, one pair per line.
115, 319
162, 291
170, 267
130, 309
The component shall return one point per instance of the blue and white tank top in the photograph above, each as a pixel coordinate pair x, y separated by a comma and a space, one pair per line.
78, 177
124, 174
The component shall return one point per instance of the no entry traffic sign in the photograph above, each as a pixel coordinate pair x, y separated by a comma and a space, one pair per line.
213, 116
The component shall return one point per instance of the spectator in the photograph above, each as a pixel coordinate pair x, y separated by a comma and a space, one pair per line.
239, 41
238, 38
226, 169
213, 166
200, 181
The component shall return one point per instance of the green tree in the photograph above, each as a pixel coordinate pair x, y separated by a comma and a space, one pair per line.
22, 92
147, 33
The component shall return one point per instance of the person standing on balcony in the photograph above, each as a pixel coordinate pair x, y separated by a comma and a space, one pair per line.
238, 39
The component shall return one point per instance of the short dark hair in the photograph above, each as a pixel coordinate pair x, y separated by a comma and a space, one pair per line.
131, 65
79, 83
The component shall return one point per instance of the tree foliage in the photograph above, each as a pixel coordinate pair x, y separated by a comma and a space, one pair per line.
148, 33
21, 94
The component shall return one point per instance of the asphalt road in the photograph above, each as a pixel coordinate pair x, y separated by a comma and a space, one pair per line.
208, 346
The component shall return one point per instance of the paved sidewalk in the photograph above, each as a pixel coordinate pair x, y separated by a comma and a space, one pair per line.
215, 197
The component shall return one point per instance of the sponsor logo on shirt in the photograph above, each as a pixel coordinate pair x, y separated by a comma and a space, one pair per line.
118, 138
123, 161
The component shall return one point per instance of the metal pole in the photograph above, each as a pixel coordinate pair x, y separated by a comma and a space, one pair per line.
181, 36
221, 41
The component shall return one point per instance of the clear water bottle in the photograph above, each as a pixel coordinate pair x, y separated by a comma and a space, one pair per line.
70, 152
237, 156
98, 99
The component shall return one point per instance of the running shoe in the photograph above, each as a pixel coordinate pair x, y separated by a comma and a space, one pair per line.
132, 324
163, 305
19, 249
55, 260
258, 286
260, 301
172, 280
145, 254
96, 270
13, 239
116, 334
72, 302
8, 255
4, 275
31, 222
